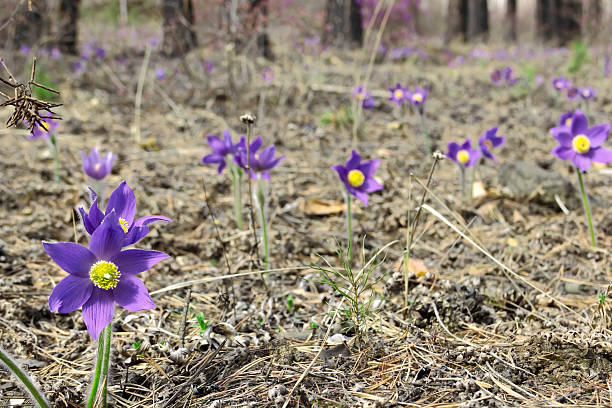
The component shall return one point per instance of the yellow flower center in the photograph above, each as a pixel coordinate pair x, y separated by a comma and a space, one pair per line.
463, 156
355, 178
568, 122
124, 225
399, 94
586, 93
488, 143
104, 275
581, 144
43, 126
360, 96
417, 97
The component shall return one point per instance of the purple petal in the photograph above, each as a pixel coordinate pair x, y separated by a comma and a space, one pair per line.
72, 258
255, 145
150, 219
582, 162
133, 261
267, 155
123, 201
70, 294
598, 134
342, 172
600, 155
98, 311
264, 175
354, 161
467, 145
106, 241
580, 124
474, 156
564, 152
453, 149
361, 196
368, 168
370, 185
562, 135
132, 294
139, 230
216, 144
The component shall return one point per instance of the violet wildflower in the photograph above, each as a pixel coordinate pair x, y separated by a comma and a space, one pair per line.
259, 164
418, 97
160, 74
572, 93
25, 50
497, 77
222, 149
509, 76
465, 156
587, 93
488, 141
267, 75
364, 97
44, 129
78, 67
566, 119
101, 275
100, 53
560, 83
95, 166
582, 145
123, 202
55, 52
399, 95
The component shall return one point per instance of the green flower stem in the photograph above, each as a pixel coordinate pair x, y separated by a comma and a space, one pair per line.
261, 199
107, 344
349, 251
425, 132
53, 141
472, 183
97, 370
587, 208
462, 178
237, 186
24, 379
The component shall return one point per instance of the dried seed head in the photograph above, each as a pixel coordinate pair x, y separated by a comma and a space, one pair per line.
248, 118
438, 155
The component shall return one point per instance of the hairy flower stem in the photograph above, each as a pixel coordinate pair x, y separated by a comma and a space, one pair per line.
97, 370
587, 208
261, 200
237, 187
425, 132
462, 177
105, 361
8, 362
472, 183
53, 141
249, 126
349, 224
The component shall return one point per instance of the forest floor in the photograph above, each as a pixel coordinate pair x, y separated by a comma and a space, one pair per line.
473, 332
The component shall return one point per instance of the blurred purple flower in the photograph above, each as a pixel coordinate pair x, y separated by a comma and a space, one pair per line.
43, 130
101, 275
509, 76
572, 93
566, 119
25, 49
95, 166
358, 176
100, 53
160, 74
581, 144
123, 202
399, 95
560, 83
209, 66
587, 93
261, 163
223, 148
267, 75
55, 52
363, 96
78, 67
497, 77
488, 141
418, 97
463, 154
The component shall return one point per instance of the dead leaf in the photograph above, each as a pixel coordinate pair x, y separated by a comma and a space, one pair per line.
417, 267
314, 206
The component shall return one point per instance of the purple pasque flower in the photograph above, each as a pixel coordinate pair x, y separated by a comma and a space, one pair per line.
25, 49
358, 176
509, 76
44, 129
399, 95
123, 202
488, 141
101, 275
259, 164
364, 97
497, 76
566, 119
560, 83
418, 97
221, 149
160, 74
463, 154
55, 52
572, 93
581, 144
95, 166
587, 93
267, 75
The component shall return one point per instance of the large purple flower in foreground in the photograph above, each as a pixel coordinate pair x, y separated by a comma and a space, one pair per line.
123, 202
259, 163
221, 149
488, 141
95, 166
358, 176
101, 275
463, 154
581, 144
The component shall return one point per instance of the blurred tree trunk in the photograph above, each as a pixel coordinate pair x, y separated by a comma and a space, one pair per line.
27, 27
263, 40
559, 20
68, 26
510, 20
343, 23
456, 20
477, 20
179, 36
